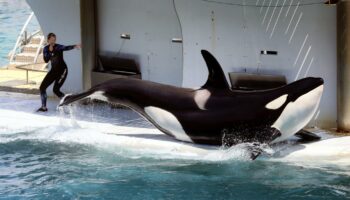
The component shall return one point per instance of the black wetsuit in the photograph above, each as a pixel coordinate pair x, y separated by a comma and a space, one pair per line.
58, 72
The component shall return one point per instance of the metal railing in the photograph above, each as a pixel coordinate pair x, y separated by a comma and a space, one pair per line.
24, 39
19, 39
42, 40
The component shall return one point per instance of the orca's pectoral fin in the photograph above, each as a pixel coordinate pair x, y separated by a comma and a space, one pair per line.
306, 136
255, 150
255, 140
69, 99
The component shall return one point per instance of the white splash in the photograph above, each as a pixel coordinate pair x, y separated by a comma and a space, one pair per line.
144, 142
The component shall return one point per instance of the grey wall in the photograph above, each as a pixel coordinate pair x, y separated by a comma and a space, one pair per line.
236, 34
152, 24
63, 18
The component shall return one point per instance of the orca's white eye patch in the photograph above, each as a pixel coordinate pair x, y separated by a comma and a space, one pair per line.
277, 103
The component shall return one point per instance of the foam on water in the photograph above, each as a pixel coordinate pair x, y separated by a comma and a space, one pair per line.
145, 141
149, 142
118, 131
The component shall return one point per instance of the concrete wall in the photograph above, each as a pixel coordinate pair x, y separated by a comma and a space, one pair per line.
152, 24
236, 35
304, 36
63, 18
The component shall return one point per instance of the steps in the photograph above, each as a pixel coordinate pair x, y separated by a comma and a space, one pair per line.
25, 58
35, 40
28, 52
31, 48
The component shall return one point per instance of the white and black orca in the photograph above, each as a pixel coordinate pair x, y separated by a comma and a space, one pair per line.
214, 114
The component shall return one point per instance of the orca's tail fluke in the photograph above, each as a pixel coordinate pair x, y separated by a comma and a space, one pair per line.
69, 99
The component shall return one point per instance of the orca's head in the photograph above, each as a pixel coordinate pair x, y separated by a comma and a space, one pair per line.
301, 100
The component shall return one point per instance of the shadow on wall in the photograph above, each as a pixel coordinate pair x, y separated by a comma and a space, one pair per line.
118, 63
262, 71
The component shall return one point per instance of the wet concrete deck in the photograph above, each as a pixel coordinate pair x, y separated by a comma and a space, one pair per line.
15, 80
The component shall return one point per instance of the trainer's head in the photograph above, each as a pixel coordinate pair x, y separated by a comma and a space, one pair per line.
51, 38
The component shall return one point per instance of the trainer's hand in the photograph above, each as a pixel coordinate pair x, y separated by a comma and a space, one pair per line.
77, 46
51, 47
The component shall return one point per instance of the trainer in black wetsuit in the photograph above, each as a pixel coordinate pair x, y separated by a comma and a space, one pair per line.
58, 72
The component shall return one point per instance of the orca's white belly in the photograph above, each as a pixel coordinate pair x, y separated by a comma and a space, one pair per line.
167, 121
298, 114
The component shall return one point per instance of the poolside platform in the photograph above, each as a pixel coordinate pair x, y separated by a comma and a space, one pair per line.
21, 81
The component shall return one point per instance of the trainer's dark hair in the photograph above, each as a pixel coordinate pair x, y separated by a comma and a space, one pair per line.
50, 35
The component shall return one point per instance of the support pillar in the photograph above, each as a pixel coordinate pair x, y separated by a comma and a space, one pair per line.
343, 53
88, 39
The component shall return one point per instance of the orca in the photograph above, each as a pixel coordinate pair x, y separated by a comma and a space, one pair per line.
214, 114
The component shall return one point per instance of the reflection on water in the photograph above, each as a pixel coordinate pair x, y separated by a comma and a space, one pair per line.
13, 14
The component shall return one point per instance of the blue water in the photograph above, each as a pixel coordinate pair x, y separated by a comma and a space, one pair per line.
38, 170
13, 15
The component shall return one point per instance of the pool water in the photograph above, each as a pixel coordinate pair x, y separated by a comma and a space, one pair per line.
50, 170
79, 155
13, 15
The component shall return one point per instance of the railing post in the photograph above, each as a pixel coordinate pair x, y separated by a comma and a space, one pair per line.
27, 75
38, 50
20, 36
25, 37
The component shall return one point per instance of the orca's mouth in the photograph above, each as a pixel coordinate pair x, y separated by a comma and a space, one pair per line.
312, 83
317, 84
319, 81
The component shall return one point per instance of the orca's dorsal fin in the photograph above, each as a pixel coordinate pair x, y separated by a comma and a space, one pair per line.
216, 78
